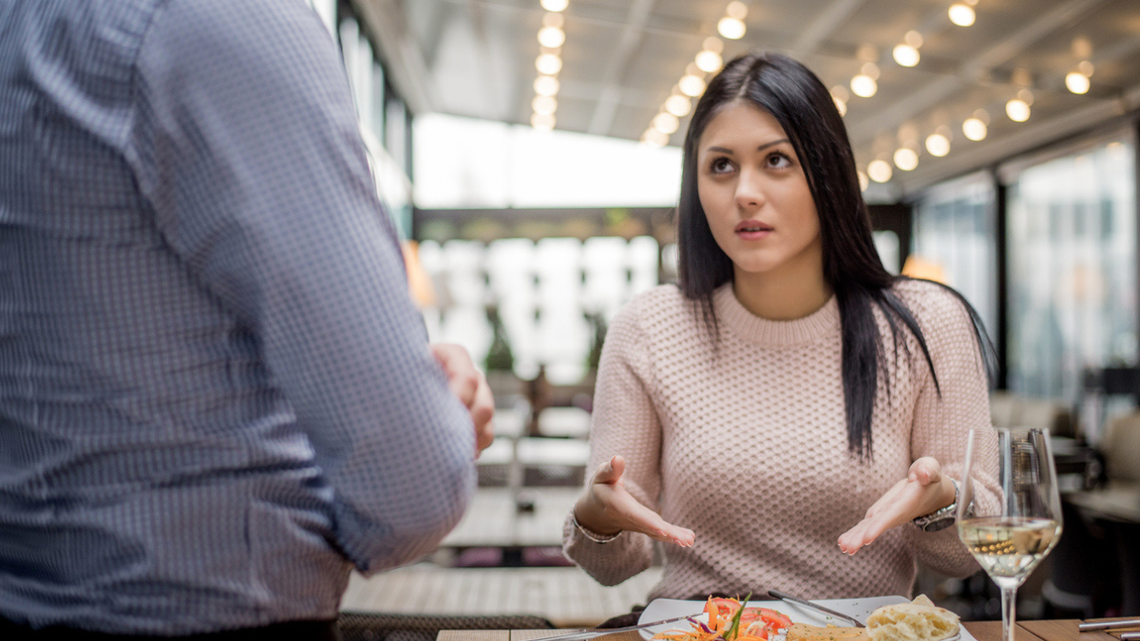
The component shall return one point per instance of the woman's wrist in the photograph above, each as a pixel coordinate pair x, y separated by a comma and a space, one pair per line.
585, 519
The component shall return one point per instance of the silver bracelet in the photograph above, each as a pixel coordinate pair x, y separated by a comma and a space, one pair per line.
596, 538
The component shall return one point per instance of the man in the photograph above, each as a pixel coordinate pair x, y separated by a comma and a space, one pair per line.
215, 395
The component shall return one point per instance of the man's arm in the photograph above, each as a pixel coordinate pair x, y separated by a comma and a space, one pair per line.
248, 150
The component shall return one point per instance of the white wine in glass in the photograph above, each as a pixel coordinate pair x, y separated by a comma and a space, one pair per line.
1009, 514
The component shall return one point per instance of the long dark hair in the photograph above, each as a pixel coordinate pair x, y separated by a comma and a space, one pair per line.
795, 97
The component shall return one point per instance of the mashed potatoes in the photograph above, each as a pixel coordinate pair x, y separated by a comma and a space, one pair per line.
919, 620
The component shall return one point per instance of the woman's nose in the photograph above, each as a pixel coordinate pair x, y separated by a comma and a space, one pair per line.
749, 191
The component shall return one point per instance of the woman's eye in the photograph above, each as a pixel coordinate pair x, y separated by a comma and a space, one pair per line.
779, 161
720, 165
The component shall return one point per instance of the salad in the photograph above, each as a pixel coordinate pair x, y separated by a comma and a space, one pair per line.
731, 620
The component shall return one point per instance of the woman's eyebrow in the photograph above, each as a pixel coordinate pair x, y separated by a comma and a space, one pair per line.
766, 145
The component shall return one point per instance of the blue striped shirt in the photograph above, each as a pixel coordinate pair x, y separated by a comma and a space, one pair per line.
216, 397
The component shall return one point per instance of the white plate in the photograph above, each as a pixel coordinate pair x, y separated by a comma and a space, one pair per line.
660, 609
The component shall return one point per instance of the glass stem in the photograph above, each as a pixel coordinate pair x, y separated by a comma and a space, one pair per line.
1008, 612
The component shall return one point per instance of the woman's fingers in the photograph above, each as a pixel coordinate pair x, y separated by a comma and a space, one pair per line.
610, 472
909, 497
613, 506
925, 470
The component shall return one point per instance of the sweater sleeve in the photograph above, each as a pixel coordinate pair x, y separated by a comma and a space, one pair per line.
625, 422
945, 414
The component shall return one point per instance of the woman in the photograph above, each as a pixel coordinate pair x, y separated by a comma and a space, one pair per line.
791, 402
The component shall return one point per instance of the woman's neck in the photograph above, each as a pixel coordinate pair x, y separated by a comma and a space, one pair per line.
781, 296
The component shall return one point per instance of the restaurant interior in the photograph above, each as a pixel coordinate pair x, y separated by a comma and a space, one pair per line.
529, 152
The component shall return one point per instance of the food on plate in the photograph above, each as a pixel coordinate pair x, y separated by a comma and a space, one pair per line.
919, 620
805, 632
729, 621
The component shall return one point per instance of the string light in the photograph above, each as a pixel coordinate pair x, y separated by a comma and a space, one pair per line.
691, 85
709, 61
840, 96
666, 122
542, 122
1077, 82
1017, 110
731, 28
879, 171
678, 105
864, 86
906, 159
864, 182
938, 144
555, 5
544, 105
546, 85
906, 55
655, 138
974, 129
552, 37
548, 63
962, 14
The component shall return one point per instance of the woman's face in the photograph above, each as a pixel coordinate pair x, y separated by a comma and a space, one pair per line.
755, 194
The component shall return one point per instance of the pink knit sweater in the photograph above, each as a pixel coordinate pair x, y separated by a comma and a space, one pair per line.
747, 446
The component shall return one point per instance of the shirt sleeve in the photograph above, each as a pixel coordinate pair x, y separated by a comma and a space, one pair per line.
247, 149
945, 415
625, 422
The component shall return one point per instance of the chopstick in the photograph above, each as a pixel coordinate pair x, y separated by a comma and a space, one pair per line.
1109, 625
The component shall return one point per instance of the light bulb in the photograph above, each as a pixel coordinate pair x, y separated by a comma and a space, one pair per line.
555, 5
679, 106
548, 63
655, 138
1017, 110
938, 145
864, 86
870, 69
974, 129
839, 91
709, 61
962, 15
665, 122
840, 105
906, 55
546, 85
736, 9
906, 159
542, 122
1086, 68
913, 38
864, 183
544, 105
1077, 82
691, 85
879, 171
731, 28
713, 44
552, 37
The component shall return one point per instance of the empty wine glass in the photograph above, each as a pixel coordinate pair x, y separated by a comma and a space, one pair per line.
1009, 511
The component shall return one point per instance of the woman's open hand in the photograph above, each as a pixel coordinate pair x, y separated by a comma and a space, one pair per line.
608, 508
923, 491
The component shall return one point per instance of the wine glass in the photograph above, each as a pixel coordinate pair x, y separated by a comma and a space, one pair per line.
1009, 511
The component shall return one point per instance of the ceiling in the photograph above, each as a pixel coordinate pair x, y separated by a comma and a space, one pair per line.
621, 59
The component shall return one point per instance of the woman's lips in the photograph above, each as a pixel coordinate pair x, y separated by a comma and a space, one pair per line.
753, 230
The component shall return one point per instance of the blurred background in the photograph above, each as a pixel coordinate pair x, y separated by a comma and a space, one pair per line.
529, 152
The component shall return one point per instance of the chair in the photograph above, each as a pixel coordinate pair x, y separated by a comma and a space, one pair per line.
370, 626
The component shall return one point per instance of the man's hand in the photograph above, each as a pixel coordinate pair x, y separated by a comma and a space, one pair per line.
469, 386
923, 491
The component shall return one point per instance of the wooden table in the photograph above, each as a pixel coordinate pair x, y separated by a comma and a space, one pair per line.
1058, 630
